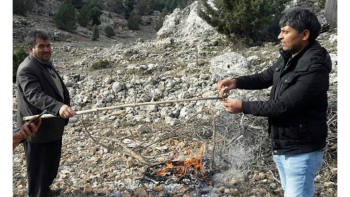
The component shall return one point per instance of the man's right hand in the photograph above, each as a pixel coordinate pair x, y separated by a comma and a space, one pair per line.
66, 112
26, 132
229, 83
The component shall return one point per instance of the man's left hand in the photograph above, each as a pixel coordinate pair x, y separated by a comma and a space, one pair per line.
233, 106
66, 112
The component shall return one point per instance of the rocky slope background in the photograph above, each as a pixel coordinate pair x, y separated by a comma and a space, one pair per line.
106, 153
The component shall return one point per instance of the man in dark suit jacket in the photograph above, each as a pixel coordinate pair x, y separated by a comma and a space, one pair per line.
40, 87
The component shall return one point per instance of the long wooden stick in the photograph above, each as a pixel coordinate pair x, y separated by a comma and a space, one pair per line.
25, 118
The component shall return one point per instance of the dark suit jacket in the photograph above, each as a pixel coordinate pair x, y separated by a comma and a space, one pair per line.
37, 91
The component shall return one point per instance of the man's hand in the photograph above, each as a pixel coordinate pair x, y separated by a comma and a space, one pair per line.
233, 106
25, 132
66, 112
229, 83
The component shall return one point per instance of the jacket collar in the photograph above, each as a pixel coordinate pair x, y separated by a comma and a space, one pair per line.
49, 64
286, 56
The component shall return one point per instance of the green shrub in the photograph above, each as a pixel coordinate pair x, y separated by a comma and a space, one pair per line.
78, 4
159, 25
18, 58
95, 34
109, 31
21, 7
322, 3
24, 22
101, 64
134, 21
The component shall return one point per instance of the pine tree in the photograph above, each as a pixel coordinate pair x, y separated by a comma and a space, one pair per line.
95, 34
92, 12
143, 7
21, 7
84, 15
65, 17
78, 4
134, 21
95, 15
150, 4
116, 6
247, 19
129, 4
158, 5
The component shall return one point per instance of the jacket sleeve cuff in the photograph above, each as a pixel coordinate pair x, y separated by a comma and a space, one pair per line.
57, 109
246, 107
238, 82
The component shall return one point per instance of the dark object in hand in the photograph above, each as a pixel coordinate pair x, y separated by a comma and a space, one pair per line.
36, 119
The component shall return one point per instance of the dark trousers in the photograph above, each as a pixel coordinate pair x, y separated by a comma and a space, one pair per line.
42, 160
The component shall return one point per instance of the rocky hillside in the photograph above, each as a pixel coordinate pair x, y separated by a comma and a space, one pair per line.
106, 153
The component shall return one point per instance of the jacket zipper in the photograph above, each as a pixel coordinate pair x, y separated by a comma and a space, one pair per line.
280, 82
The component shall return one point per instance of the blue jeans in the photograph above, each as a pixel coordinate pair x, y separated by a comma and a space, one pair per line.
297, 172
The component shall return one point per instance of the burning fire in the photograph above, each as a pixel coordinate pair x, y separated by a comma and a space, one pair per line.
190, 165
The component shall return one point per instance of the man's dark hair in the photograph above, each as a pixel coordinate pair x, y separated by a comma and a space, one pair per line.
301, 19
33, 35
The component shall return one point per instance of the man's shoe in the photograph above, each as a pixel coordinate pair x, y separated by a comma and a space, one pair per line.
54, 192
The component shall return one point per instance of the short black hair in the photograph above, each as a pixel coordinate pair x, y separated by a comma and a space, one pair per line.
33, 35
301, 19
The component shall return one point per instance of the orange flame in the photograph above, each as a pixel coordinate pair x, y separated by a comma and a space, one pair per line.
180, 168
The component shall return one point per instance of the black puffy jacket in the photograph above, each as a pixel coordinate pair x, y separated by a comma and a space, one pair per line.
297, 108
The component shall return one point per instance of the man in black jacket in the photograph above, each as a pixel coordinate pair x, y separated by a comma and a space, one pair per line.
297, 108
40, 87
